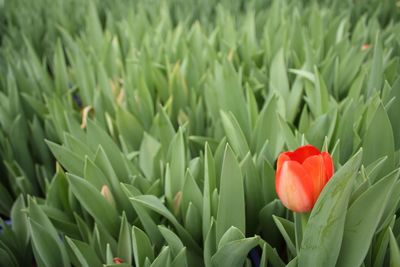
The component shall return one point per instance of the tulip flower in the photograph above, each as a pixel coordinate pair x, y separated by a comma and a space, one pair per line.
300, 177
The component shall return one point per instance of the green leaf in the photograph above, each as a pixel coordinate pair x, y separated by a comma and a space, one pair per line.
191, 193
61, 221
293, 263
394, 110
264, 260
278, 75
268, 226
362, 220
6, 259
210, 244
180, 259
318, 129
253, 192
177, 161
95, 203
60, 68
166, 130
94, 175
268, 181
156, 205
376, 71
174, 243
141, 247
380, 246
20, 224
231, 196
84, 253
84, 230
103, 162
129, 127
317, 96
265, 128
232, 234
234, 134
48, 248
234, 253
287, 133
227, 87
324, 231
103, 242
145, 218
251, 106
149, 150
163, 259
394, 250
193, 221
124, 250
295, 97
96, 136
45, 237
209, 186
391, 206
378, 140
77, 146
202, 140
57, 192
286, 228
68, 159
6, 200
270, 255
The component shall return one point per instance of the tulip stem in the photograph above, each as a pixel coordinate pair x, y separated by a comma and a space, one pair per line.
300, 222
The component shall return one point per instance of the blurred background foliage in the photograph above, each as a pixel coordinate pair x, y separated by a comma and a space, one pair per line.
144, 96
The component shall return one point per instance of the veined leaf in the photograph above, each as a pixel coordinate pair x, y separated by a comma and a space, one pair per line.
324, 231
362, 219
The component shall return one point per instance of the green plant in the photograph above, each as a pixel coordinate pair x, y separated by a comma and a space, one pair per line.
149, 135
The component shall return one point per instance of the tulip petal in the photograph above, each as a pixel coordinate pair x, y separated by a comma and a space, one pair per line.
302, 153
281, 159
294, 187
328, 162
315, 168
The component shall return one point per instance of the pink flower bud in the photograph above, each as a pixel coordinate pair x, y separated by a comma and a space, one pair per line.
105, 191
118, 260
365, 47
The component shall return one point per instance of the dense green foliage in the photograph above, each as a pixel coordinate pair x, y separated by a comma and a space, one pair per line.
180, 108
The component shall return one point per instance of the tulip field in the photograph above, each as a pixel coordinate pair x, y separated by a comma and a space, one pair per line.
169, 133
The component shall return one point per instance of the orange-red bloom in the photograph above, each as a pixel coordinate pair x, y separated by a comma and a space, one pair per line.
300, 177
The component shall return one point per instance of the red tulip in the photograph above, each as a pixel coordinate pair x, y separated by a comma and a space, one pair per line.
300, 177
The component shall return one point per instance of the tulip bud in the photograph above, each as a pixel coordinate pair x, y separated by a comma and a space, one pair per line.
365, 47
105, 191
300, 177
118, 260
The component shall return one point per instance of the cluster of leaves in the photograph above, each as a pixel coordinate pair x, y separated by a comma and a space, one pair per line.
181, 112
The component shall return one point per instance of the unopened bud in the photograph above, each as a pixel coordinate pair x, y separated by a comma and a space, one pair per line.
365, 47
86, 111
105, 191
118, 260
